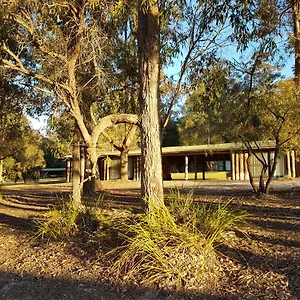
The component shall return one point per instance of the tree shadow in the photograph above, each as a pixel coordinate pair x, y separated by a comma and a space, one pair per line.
27, 286
16, 222
287, 267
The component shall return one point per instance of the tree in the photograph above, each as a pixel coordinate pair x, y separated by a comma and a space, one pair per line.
277, 117
149, 50
123, 139
202, 117
263, 110
65, 42
13, 124
28, 160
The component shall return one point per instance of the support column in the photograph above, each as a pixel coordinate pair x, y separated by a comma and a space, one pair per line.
107, 170
246, 166
288, 164
237, 167
293, 163
1, 171
203, 168
195, 166
138, 169
186, 169
233, 166
242, 170
68, 170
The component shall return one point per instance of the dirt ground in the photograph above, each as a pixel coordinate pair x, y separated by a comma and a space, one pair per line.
259, 261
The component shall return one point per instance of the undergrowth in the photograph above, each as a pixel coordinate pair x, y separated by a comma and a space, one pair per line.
58, 222
173, 247
66, 220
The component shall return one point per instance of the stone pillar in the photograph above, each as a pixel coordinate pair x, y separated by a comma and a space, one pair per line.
186, 169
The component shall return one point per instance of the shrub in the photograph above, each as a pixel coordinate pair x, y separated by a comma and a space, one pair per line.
214, 222
59, 222
66, 220
173, 248
160, 252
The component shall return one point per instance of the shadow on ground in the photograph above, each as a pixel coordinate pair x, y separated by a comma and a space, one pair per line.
25, 286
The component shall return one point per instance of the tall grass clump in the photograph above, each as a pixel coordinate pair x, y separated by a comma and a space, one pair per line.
215, 221
59, 222
173, 247
159, 252
65, 220
212, 220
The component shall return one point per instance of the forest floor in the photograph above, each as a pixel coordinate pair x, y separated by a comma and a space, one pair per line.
260, 261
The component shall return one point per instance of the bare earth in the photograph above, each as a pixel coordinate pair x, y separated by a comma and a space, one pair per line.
260, 261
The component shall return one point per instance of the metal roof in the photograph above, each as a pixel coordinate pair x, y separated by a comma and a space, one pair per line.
198, 149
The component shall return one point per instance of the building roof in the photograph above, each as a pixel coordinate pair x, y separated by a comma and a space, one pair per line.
197, 149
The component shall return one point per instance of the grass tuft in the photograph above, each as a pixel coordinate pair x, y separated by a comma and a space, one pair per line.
66, 220
173, 247
58, 222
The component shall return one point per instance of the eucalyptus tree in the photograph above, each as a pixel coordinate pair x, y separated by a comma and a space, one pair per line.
202, 119
262, 109
149, 73
66, 44
29, 160
122, 137
124, 98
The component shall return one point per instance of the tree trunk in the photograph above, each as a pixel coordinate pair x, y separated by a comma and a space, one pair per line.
124, 163
273, 168
262, 187
149, 47
92, 180
296, 40
1, 171
248, 161
76, 184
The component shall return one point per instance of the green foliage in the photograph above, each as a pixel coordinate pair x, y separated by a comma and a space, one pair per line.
67, 221
59, 222
27, 160
214, 222
202, 114
172, 248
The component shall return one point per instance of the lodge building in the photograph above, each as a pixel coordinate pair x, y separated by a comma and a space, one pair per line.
217, 161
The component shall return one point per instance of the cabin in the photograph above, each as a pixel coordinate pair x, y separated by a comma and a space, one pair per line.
201, 162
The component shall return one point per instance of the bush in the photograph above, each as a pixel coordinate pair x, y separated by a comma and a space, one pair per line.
59, 222
213, 221
66, 220
173, 248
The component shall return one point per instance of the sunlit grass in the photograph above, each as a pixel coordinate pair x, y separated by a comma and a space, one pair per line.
173, 247
210, 175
